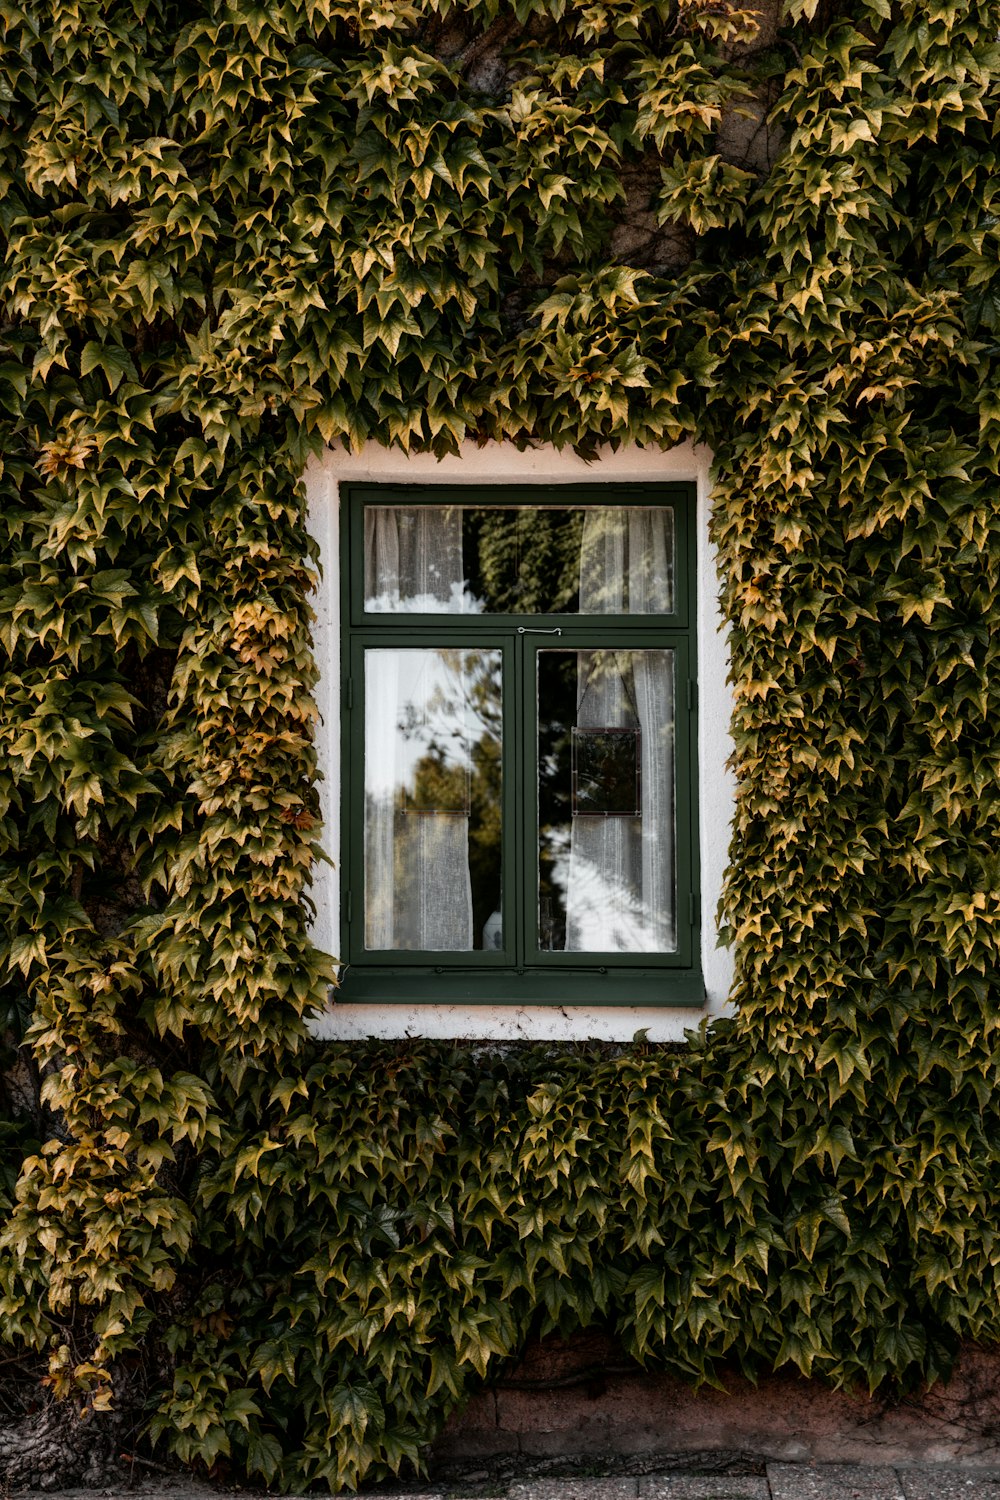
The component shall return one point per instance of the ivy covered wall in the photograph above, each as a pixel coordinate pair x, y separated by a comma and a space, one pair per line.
233, 234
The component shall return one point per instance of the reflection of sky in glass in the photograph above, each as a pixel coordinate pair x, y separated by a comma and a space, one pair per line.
608, 916
459, 602
416, 701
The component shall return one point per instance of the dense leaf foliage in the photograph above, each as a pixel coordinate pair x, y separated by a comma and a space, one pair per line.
234, 233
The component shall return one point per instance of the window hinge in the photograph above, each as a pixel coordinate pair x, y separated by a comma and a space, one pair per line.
693, 909
692, 693
349, 693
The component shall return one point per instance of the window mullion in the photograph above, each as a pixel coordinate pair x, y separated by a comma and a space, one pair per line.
520, 803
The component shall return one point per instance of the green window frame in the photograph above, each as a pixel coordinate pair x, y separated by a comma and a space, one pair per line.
522, 973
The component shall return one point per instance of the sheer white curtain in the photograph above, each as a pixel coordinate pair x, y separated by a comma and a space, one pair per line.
620, 888
413, 559
418, 890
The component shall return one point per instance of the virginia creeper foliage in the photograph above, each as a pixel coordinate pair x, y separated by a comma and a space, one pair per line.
233, 233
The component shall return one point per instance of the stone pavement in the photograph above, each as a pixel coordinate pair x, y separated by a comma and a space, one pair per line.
776, 1481
780, 1481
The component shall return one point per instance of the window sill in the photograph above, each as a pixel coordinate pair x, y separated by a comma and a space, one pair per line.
638, 987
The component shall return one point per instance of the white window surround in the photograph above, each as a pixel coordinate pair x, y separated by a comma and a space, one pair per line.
502, 463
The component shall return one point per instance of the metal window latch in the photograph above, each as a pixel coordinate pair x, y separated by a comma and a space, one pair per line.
529, 630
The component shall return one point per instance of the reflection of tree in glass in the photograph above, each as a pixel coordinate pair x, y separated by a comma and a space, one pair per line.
523, 561
555, 808
437, 786
485, 823
439, 780
562, 698
459, 771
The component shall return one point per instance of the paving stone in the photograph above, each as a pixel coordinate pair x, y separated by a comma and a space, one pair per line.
833, 1482
576, 1489
934, 1482
383, 1495
703, 1487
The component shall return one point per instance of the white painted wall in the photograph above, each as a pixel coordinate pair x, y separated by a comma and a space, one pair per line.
501, 463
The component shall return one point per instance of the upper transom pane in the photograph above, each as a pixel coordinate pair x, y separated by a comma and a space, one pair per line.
519, 559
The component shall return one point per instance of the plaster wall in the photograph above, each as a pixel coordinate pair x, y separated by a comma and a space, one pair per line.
568, 1398
501, 463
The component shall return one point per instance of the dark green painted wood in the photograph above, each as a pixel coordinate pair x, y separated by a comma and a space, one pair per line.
520, 973
596, 986
681, 497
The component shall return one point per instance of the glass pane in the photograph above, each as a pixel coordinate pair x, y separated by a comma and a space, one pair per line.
606, 881
519, 559
432, 799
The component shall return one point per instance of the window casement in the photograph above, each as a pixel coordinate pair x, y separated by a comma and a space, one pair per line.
520, 806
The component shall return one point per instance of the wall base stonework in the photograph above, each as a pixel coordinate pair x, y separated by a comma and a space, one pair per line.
580, 1396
